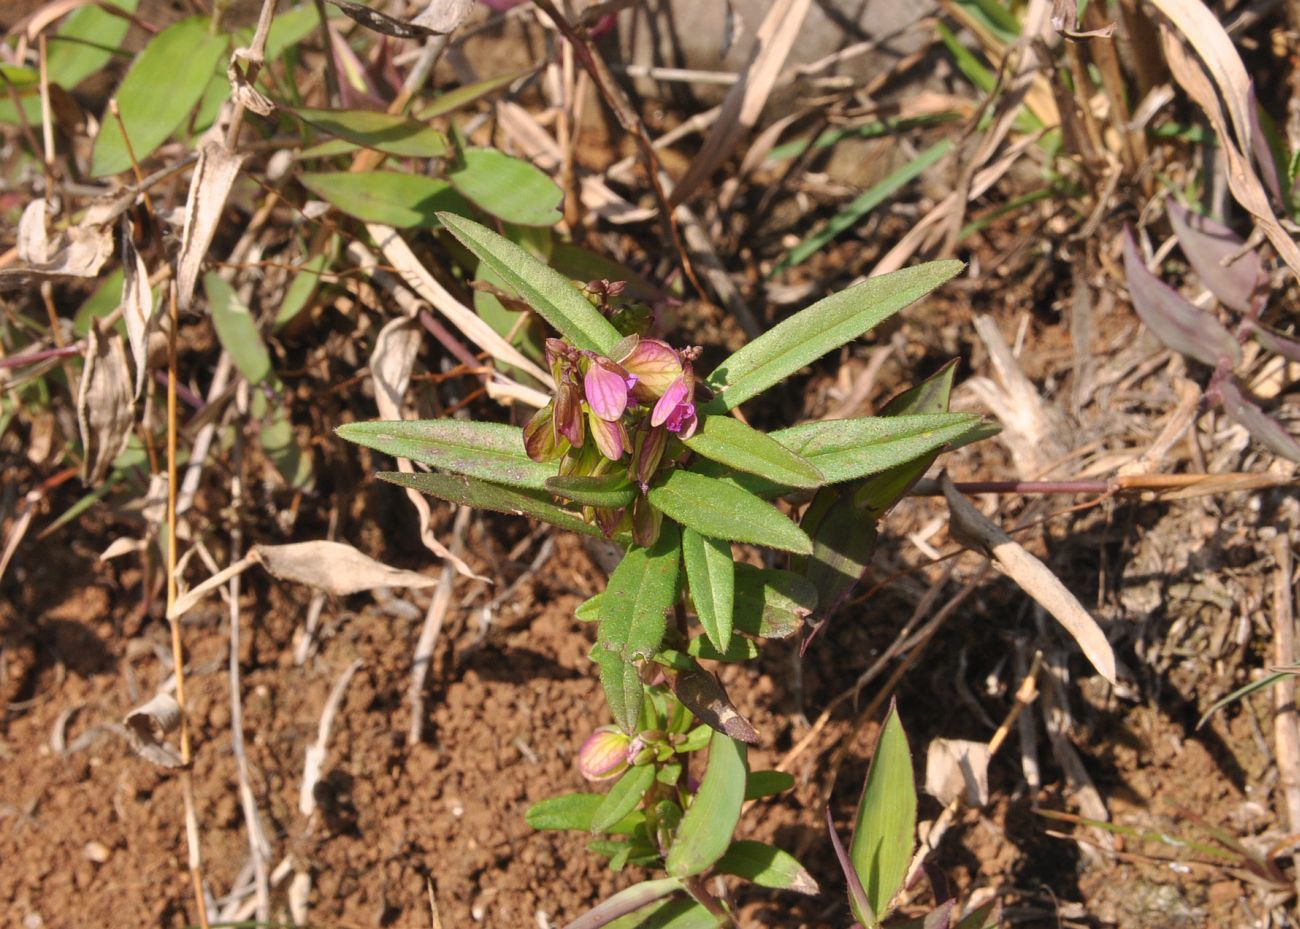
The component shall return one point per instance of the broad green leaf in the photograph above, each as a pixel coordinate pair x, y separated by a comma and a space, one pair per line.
885, 826
710, 576
711, 818
641, 591
488, 451
844, 449
929, 396
679, 913
637, 899
281, 448
567, 811
106, 298
623, 797
744, 448
508, 188
621, 681
856, 211
761, 784
287, 29
766, 866
547, 291
385, 132
771, 603
611, 490
236, 330
826, 325
469, 491
722, 510
86, 42
388, 197
165, 83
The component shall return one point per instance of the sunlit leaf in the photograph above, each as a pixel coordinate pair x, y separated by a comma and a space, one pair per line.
388, 197
710, 575
744, 448
611, 491
621, 682
547, 291
822, 327
766, 866
623, 797
385, 132
488, 451
507, 187
772, 603
641, 591
722, 510
471, 492
885, 825
705, 831
164, 84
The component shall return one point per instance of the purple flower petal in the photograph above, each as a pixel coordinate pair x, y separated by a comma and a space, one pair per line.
672, 397
610, 437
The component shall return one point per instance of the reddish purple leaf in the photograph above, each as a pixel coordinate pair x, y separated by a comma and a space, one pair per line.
1266, 430
1207, 244
1275, 341
1175, 321
857, 892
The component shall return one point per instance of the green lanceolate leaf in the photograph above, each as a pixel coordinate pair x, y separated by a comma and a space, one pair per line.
710, 820
771, 603
85, 43
885, 826
463, 96
629, 904
738, 649
385, 132
488, 451
575, 811
389, 197
761, 784
621, 681
722, 510
678, 913
710, 575
164, 84
236, 330
547, 291
623, 797
609, 491
470, 491
507, 187
766, 866
824, 326
845, 449
744, 448
641, 591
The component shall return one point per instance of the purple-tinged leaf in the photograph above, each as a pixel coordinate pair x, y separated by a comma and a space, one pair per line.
941, 916
857, 893
1267, 430
700, 692
1207, 245
1275, 342
1181, 326
624, 902
1260, 148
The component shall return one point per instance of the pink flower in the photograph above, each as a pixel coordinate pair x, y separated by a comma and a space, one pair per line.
655, 364
610, 437
607, 386
675, 410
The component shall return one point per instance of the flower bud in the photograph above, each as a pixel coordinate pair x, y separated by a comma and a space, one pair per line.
568, 413
541, 440
647, 454
604, 755
610, 437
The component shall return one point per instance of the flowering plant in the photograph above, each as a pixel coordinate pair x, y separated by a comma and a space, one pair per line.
636, 447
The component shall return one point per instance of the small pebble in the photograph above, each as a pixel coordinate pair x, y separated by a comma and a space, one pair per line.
97, 852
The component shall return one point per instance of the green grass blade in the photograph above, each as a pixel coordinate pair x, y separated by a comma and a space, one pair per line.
885, 827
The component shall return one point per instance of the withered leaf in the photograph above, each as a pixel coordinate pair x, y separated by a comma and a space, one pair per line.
148, 726
214, 175
438, 18
334, 567
137, 304
700, 692
104, 404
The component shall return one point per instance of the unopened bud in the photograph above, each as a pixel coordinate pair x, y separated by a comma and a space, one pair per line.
604, 755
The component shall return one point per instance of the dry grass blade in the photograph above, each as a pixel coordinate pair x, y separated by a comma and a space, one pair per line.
391, 362
745, 100
1219, 74
210, 185
137, 304
971, 527
334, 567
317, 751
105, 405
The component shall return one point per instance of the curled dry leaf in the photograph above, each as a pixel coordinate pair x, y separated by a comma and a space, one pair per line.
438, 18
700, 692
214, 175
105, 404
137, 304
33, 241
334, 567
391, 362
971, 527
957, 768
81, 253
148, 726
443, 16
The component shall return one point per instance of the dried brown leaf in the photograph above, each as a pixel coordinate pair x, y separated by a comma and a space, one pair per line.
700, 692
148, 726
81, 253
210, 185
105, 404
391, 362
33, 241
971, 527
334, 567
958, 768
137, 304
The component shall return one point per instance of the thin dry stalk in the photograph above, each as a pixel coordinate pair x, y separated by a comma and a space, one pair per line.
433, 620
1286, 726
178, 652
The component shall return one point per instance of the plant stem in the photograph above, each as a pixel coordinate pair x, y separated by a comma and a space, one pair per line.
695, 887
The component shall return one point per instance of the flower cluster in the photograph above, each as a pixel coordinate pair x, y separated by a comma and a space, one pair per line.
628, 405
